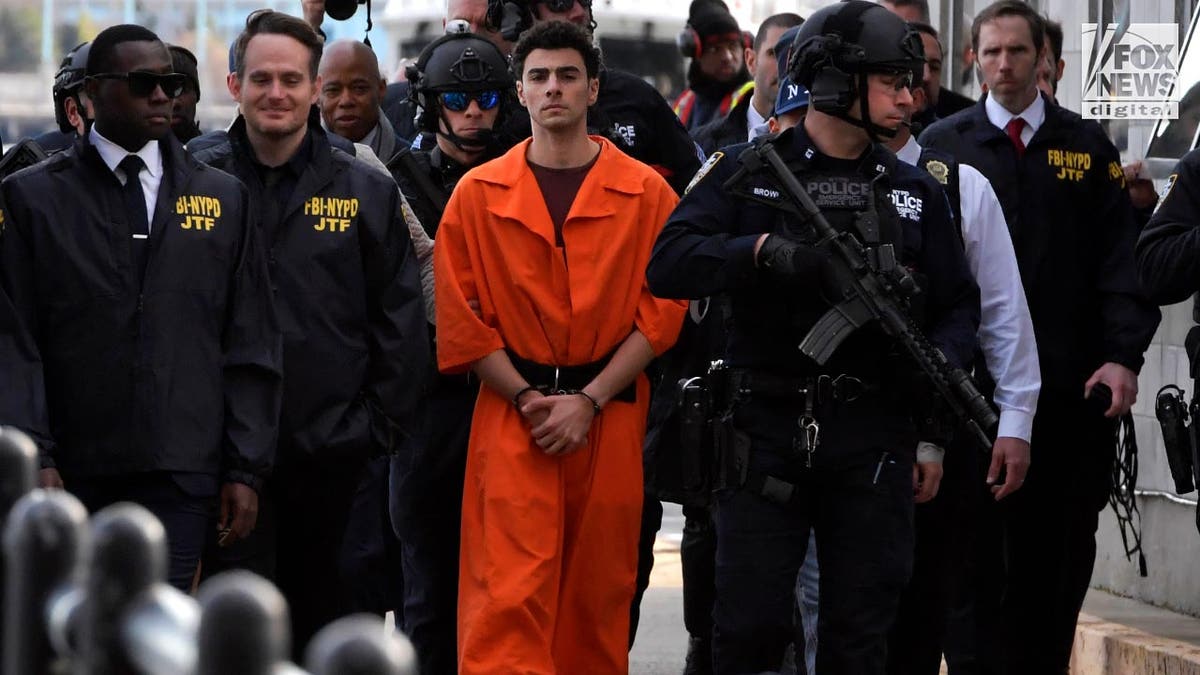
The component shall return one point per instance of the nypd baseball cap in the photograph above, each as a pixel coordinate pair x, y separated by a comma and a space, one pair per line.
791, 96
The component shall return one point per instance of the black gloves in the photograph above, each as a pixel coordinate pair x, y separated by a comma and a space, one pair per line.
794, 264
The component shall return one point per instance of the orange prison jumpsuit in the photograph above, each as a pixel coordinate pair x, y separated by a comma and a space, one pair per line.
549, 544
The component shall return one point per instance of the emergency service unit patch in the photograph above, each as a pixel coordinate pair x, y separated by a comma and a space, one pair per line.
838, 192
708, 166
938, 170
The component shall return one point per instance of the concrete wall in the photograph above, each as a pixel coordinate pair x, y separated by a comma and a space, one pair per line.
1169, 535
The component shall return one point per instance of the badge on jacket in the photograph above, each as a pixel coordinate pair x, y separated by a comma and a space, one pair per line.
938, 170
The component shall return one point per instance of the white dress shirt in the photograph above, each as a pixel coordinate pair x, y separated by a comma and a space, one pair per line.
1005, 329
753, 120
1033, 115
150, 177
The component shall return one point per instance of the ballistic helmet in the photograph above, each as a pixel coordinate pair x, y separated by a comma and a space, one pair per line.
840, 44
457, 63
68, 80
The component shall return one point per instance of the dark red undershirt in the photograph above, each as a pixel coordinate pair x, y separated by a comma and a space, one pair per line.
559, 189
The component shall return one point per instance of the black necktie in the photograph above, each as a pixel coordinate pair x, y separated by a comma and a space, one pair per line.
135, 207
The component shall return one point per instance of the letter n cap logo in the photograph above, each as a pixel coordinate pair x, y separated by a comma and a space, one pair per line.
1130, 70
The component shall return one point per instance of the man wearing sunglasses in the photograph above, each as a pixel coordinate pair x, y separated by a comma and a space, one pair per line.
151, 330
463, 87
355, 346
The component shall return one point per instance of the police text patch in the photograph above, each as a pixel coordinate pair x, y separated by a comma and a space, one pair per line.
907, 205
838, 192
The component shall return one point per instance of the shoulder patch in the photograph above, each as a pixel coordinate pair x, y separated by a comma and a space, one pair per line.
1117, 173
938, 170
1163, 198
704, 169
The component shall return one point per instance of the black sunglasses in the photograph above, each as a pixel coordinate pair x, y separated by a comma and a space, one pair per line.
565, 5
143, 84
459, 100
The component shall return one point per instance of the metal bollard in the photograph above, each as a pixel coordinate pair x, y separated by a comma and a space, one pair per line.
44, 541
360, 645
244, 626
18, 475
159, 632
18, 468
129, 554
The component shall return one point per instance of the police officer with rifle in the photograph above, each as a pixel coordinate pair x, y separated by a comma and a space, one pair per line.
852, 309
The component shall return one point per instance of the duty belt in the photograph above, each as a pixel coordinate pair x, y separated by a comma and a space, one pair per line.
813, 390
840, 388
550, 378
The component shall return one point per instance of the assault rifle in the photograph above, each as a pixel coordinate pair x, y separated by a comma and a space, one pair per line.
875, 288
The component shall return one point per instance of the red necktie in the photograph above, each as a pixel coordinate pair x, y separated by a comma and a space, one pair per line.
1014, 127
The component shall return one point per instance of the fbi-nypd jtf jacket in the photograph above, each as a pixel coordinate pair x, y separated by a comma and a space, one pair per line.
348, 296
179, 372
1073, 232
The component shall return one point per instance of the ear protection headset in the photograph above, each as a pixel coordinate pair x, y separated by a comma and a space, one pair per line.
835, 59
691, 45
829, 57
834, 53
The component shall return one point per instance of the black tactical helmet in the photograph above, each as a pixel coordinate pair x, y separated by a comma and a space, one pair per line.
67, 82
458, 62
840, 44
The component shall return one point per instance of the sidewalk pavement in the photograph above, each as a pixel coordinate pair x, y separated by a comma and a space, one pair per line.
1119, 636
1116, 636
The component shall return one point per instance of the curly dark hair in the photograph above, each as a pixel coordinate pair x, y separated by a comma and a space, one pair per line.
556, 35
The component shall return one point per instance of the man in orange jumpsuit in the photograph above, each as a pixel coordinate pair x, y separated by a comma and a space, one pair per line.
540, 290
